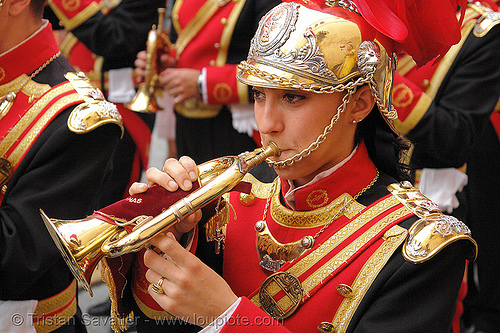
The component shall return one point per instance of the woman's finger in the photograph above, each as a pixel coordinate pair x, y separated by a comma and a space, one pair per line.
155, 176
178, 255
181, 172
137, 187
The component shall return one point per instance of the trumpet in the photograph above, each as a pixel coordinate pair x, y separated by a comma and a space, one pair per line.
127, 225
145, 100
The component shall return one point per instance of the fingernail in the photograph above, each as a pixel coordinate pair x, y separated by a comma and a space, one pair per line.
187, 184
192, 174
172, 185
171, 235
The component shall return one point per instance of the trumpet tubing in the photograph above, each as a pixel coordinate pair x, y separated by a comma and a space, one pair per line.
234, 168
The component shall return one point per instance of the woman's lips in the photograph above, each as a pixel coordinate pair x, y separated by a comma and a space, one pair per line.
282, 155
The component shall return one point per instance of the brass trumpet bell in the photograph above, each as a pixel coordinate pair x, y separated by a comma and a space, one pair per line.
79, 242
144, 100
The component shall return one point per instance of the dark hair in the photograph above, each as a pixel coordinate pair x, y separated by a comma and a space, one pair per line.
386, 148
37, 6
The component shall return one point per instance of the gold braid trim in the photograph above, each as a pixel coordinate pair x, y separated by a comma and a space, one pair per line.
394, 237
62, 304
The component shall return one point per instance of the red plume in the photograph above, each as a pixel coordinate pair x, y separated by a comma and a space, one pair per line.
424, 29
421, 28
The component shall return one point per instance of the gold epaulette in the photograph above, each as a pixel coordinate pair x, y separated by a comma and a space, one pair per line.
434, 230
486, 21
95, 111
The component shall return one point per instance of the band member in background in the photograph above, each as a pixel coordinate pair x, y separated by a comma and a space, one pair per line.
57, 135
102, 38
449, 110
213, 111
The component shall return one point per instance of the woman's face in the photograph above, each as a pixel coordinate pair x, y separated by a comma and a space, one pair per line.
294, 119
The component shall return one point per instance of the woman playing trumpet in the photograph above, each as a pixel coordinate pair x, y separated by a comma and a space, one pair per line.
339, 242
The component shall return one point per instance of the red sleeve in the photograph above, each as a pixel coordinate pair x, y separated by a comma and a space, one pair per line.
222, 86
410, 102
72, 14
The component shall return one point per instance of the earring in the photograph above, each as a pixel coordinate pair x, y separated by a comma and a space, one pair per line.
354, 121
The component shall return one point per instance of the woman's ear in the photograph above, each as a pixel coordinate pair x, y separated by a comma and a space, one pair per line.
363, 102
18, 6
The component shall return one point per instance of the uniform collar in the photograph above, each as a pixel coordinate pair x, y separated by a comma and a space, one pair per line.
29, 55
351, 177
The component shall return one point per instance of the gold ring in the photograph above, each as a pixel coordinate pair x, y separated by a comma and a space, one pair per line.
157, 286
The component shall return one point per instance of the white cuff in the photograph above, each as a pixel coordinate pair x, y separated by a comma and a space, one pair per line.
244, 118
121, 85
441, 185
203, 80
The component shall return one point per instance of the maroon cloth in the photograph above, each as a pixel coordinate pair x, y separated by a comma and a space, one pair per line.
152, 202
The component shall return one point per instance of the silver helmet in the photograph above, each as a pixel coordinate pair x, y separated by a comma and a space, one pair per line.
296, 47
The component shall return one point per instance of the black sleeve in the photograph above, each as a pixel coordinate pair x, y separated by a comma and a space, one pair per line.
412, 298
61, 174
122, 33
465, 100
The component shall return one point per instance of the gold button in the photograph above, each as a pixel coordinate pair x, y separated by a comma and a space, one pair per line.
247, 199
326, 327
216, 45
223, 21
426, 83
290, 294
212, 62
344, 290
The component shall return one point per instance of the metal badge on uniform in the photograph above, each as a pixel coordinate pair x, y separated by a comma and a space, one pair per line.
290, 297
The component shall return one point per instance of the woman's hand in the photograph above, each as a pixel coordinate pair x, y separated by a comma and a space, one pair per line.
174, 175
191, 289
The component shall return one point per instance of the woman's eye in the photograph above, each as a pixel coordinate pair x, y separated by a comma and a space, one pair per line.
292, 98
257, 94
